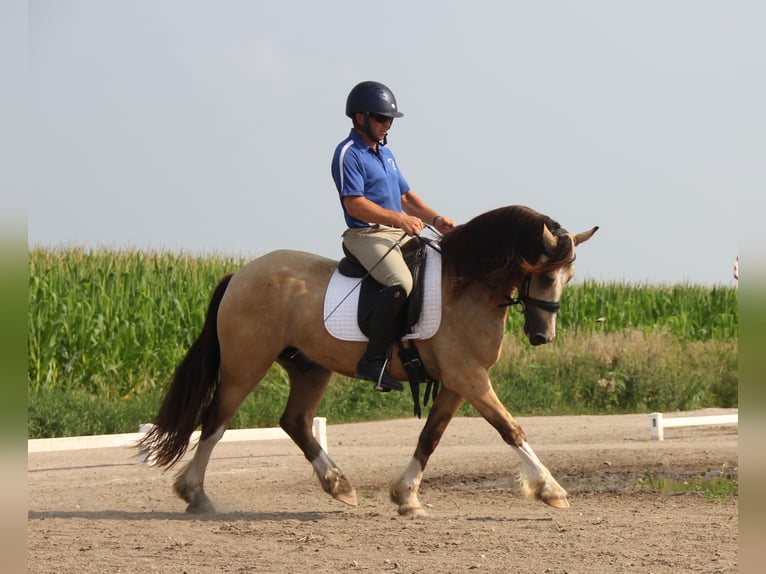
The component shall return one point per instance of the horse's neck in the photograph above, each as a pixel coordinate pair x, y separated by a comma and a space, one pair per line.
476, 305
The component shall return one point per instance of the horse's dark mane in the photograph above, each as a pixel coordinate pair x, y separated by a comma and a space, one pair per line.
498, 247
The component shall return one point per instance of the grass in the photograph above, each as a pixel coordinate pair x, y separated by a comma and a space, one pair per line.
621, 372
688, 312
107, 328
713, 485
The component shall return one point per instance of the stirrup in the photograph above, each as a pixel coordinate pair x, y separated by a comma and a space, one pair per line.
384, 382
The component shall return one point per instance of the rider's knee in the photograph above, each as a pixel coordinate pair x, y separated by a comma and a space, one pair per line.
404, 281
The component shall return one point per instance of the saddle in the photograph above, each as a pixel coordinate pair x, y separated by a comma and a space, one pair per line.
414, 252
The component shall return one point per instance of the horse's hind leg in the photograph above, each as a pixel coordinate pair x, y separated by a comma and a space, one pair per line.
404, 488
189, 483
307, 385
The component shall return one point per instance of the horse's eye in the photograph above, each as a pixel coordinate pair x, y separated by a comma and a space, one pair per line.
546, 281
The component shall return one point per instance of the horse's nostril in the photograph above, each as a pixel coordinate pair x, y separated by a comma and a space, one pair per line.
538, 339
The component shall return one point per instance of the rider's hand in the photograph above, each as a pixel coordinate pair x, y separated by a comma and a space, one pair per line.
444, 224
410, 224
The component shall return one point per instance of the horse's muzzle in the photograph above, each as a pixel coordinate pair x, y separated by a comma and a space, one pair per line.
537, 339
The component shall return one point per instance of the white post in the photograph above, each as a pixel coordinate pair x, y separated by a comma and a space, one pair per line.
655, 421
320, 431
143, 453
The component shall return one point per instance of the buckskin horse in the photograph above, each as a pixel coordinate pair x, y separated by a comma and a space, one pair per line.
274, 304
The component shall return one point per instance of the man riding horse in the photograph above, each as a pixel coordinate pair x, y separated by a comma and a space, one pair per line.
382, 213
272, 311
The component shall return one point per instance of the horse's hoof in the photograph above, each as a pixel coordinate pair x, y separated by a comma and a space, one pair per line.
412, 511
346, 496
551, 493
201, 507
557, 502
337, 485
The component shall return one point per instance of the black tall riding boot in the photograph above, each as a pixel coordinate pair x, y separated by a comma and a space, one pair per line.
384, 321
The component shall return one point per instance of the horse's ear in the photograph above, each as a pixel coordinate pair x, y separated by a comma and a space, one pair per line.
549, 241
584, 236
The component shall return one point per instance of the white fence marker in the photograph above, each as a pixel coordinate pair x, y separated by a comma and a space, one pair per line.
144, 453
658, 423
319, 429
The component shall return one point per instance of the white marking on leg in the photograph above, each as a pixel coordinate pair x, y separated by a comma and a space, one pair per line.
412, 474
332, 479
527, 450
537, 481
404, 489
533, 472
195, 472
322, 464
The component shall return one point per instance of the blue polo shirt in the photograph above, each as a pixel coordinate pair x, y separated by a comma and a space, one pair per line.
358, 170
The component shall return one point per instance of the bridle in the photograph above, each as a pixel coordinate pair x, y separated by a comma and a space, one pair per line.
524, 299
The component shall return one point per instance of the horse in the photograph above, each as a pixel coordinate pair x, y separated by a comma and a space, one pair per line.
274, 304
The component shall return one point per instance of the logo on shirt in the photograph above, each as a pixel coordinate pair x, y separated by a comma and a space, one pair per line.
392, 163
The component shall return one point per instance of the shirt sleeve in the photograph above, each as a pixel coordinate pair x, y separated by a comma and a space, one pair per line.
351, 175
404, 187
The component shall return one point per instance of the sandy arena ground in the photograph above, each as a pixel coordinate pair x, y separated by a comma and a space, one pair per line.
98, 511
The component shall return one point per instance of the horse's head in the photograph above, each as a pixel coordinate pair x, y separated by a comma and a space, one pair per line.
541, 288
514, 248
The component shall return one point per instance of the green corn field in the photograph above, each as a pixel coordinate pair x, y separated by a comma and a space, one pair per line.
689, 312
107, 328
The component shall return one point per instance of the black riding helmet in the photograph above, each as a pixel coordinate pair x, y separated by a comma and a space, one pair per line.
371, 98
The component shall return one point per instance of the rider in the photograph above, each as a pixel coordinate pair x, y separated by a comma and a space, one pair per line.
382, 213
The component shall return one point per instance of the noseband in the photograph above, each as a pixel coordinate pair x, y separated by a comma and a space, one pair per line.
524, 299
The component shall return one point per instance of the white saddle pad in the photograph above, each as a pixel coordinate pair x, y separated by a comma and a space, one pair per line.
342, 299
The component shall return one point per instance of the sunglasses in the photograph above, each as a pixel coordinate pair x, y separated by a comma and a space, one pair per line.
380, 118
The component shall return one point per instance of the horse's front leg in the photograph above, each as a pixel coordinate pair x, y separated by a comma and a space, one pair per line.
404, 488
536, 480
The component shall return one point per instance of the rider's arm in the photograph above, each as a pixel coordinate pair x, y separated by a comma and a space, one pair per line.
414, 205
366, 210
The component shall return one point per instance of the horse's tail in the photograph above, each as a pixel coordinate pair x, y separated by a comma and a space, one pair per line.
189, 393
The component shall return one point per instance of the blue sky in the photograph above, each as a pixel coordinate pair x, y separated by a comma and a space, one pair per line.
209, 126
